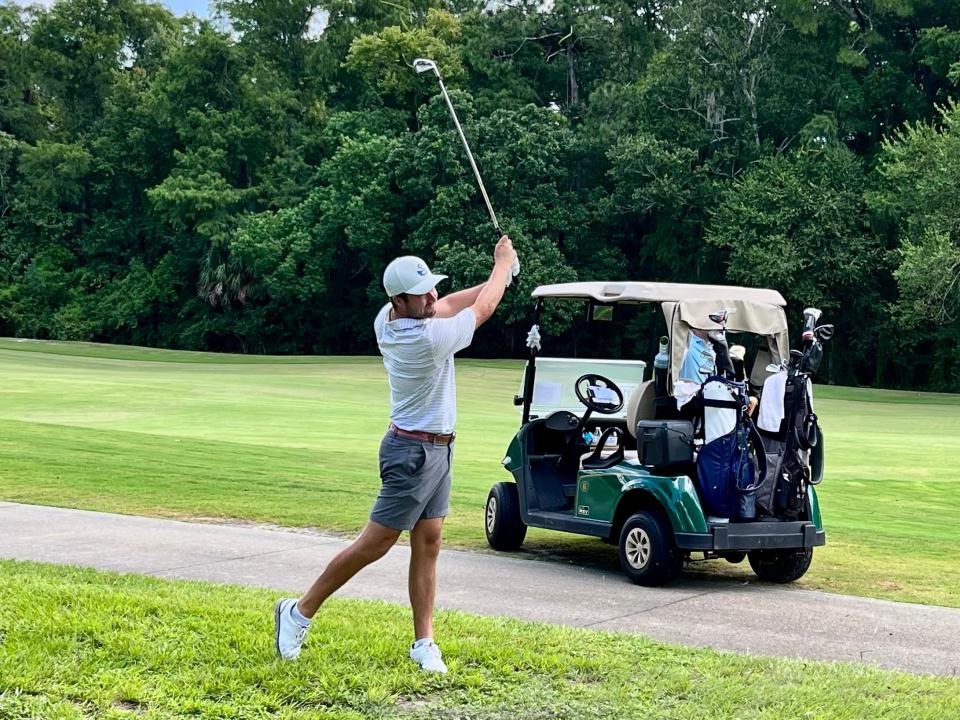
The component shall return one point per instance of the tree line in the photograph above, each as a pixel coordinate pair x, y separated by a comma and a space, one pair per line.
239, 184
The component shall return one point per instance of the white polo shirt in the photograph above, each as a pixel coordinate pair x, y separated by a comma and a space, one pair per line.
418, 356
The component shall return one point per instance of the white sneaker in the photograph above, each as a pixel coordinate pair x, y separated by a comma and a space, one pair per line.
427, 654
288, 633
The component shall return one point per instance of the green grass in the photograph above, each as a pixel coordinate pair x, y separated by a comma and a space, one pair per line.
79, 644
294, 442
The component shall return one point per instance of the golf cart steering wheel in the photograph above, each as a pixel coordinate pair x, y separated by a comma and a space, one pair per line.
608, 406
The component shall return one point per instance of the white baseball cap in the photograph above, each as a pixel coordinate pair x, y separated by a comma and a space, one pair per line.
409, 274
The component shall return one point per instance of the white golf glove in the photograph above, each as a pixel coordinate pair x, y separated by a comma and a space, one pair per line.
533, 338
514, 269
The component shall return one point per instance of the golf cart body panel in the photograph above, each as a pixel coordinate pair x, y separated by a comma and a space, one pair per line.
565, 480
600, 494
813, 508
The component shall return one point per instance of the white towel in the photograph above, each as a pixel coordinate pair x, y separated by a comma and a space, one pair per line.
685, 391
771, 401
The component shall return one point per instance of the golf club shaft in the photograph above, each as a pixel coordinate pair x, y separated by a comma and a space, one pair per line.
473, 164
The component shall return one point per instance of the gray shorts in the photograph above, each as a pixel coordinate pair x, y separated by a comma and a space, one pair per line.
415, 482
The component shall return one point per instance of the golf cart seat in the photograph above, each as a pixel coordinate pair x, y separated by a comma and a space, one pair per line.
641, 406
759, 372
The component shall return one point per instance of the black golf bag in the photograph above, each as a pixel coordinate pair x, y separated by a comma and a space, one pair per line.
783, 491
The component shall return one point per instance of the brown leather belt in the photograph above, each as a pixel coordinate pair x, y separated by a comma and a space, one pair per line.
438, 438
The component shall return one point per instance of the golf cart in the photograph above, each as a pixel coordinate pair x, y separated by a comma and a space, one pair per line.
606, 450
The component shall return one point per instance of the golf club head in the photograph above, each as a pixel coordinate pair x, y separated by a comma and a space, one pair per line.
823, 332
720, 318
724, 363
422, 65
717, 337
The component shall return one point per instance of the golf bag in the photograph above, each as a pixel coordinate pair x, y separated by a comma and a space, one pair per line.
783, 490
730, 466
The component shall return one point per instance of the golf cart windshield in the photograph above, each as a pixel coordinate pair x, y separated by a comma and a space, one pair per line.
553, 388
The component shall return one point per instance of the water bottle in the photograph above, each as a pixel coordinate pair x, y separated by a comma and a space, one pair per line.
660, 363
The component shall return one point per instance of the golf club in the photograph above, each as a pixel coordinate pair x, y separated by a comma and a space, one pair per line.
718, 338
422, 65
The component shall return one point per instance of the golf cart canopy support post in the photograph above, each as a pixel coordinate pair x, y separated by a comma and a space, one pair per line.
530, 372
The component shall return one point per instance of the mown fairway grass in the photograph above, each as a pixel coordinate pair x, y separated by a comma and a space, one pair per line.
80, 644
293, 441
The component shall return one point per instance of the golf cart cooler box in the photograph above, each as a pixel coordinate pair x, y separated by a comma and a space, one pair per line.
772, 535
664, 443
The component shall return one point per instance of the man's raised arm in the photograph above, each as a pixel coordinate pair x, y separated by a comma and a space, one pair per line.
450, 305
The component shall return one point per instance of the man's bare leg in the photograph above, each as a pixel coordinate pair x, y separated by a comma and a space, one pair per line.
424, 548
371, 545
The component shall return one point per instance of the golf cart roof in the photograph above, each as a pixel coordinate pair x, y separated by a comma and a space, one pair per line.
613, 292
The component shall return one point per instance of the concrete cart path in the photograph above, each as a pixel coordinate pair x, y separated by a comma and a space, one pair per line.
755, 618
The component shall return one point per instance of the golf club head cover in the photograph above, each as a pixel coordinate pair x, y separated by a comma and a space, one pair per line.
810, 317
737, 354
719, 342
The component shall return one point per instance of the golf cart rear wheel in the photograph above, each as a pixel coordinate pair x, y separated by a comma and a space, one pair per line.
502, 522
780, 566
646, 549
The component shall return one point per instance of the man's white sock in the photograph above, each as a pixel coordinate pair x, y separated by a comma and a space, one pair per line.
298, 617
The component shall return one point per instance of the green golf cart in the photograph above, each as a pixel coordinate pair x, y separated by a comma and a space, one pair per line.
604, 450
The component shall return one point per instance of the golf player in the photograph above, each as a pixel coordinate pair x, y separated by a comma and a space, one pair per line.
418, 335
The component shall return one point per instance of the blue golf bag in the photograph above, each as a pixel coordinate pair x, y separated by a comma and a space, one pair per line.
731, 467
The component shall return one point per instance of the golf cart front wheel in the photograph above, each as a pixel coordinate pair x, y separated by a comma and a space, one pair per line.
780, 566
502, 522
646, 549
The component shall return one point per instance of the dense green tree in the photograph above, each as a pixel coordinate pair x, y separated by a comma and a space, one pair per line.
799, 223
20, 109
240, 184
920, 168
